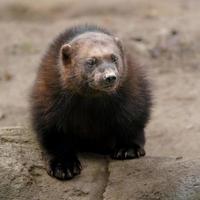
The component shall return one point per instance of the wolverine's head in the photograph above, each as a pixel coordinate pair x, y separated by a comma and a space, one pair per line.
93, 61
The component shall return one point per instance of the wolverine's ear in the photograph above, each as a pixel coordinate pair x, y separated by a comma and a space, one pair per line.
119, 43
65, 53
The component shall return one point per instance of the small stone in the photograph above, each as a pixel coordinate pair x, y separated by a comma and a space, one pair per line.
179, 157
174, 32
2, 116
189, 126
137, 39
8, 76
152, 13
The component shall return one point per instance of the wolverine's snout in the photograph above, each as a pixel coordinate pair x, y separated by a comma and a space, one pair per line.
110, 75
107, 80
110, 79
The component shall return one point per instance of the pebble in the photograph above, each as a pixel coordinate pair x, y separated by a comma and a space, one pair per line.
2, 116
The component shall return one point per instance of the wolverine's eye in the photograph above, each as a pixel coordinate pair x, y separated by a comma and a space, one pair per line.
91, 62
114, 58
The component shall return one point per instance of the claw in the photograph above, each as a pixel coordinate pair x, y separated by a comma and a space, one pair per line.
128, 153
64, 170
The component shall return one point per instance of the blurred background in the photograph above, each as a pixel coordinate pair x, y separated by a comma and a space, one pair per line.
163, 36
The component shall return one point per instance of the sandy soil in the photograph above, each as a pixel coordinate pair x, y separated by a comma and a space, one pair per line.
164, 36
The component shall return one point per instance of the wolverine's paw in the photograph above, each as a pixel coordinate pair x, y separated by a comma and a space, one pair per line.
128, 153
64, 170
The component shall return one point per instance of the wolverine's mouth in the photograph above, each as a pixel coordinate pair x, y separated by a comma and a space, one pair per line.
104, 88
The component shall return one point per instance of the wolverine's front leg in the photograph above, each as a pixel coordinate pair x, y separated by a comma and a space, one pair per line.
60, 155
63, 168
129, 145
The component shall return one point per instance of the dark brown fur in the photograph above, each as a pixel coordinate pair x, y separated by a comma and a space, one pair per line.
68, 119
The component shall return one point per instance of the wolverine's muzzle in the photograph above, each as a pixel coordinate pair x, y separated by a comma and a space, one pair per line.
106, 81
109, 79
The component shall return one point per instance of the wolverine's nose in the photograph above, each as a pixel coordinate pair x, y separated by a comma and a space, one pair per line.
110, 79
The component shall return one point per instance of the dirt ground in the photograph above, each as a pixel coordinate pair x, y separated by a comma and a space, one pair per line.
164, 36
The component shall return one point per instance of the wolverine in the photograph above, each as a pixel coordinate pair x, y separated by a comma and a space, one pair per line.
89, 96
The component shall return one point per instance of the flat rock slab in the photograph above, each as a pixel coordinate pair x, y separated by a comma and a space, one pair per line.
23, 175
154, 178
